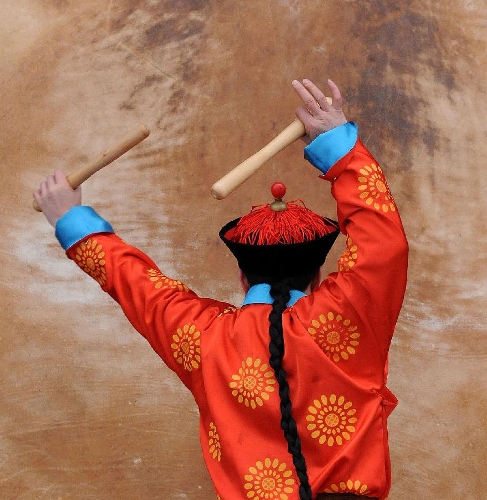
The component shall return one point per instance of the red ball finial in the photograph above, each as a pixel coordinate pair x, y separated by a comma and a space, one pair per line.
278, 190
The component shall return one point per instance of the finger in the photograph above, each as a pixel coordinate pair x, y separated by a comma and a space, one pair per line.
317, 94
308, 100
336, 95
50, 181
303, 114
60, 178
43, 188
299, 89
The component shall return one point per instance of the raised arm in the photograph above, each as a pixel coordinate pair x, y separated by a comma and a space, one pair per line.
169, 315
371, 278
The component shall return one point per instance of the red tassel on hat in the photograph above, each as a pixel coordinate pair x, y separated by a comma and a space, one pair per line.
280, 222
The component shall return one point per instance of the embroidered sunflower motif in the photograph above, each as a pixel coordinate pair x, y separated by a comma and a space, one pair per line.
350, 486
186, 347
90, 257
214, 442
331, 420
374, 188
335, 335
349, 256
162, 281
269, 480
253, 383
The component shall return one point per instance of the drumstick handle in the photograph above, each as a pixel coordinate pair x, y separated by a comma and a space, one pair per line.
106, 157
244, 170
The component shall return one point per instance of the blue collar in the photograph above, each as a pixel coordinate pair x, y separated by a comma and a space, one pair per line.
260, 294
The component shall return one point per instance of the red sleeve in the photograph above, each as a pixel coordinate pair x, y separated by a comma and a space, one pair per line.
371, 279
169, 315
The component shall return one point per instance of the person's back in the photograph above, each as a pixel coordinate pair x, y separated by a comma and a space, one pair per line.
291, 386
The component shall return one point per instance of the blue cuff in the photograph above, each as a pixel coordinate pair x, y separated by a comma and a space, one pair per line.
79, 222
330, 146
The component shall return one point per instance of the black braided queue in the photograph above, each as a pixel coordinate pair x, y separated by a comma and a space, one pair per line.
280, 294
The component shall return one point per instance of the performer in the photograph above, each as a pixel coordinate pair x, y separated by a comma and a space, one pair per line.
291, 386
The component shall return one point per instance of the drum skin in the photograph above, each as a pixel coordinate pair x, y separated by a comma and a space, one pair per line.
87, 408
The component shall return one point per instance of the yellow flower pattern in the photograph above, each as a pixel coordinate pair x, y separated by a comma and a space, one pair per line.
331, 420
162, 281
269, 480
336, 336
186, 347
214, 442
349, 256
374, 189
90, 257
355, 487
253, 383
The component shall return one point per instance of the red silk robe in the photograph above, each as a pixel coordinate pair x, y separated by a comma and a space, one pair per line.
337, 341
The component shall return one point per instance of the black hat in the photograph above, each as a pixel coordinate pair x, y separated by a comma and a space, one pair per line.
280, 239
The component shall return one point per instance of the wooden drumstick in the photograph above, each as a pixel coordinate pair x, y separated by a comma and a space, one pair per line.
106, 157
236, 177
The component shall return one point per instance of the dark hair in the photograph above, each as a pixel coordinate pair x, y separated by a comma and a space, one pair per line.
280, 292
297, 282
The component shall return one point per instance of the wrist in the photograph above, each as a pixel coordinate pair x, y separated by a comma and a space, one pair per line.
327, 148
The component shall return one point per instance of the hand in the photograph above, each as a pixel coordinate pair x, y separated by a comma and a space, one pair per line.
55, 196
317, 114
